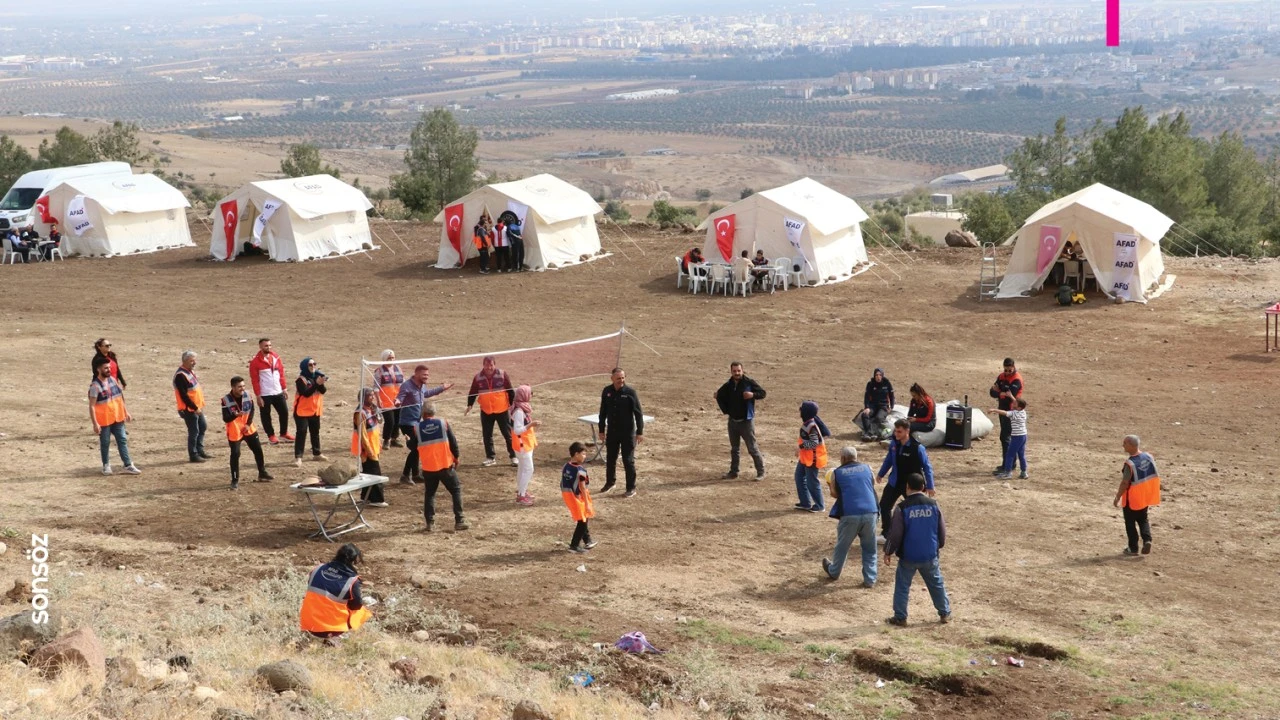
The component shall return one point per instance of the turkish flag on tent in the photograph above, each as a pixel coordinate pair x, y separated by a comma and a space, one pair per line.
453, 227
724, 236
42, 205
1050, 238
230, 211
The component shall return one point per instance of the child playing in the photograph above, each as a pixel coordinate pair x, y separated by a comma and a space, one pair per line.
573, 488
1017, 440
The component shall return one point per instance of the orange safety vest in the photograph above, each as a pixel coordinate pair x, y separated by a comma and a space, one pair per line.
239, 428
310, 405
493, 393
1144, 487
366, 423
108, 401
196, 393
525, 441
579, 503
389, 379
324, 607
433, 445
817, 457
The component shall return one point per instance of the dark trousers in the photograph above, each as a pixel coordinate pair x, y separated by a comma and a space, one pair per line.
1135, 525
305, 425
1006, 431
517, 255
373, 493
923, 426
432, 480
624, 443
391, 424
255, 447
503, 422
744, 431
196, 427
580, 534
502, 258
888, 497
484, 259
277, 402
412, 468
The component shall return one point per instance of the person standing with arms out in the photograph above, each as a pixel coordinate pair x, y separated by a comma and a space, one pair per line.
492, 387
308, 406
108, 415
517, 245
266, 372
414, 392
102, 351
1017, 439
811, 457
916, 535
877, 403
573, 488
438, 452
737, 399
1006, 389
622, 427
389, 377
906, 456
333, 605
237, 413
524, 441
855, 507
480, 237
190, 398
1139, 490
366, 444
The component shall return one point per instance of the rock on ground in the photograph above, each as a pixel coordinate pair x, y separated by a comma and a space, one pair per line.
19, 634
286, 675
225, 713
530, 710
80, 648
406, 668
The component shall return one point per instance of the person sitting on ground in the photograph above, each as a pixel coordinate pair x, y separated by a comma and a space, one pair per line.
877, 403
922, 413
691, 258
759, 271
333, 605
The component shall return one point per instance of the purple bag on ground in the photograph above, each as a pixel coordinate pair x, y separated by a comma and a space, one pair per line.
636, 642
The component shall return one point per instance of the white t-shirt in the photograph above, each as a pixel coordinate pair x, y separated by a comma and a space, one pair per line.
1018, 422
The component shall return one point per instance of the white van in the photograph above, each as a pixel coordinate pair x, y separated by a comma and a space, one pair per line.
17, 208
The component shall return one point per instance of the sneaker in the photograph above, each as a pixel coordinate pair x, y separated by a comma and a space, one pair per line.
759, 476
196, 459
895, 620
287, 436
800, 506
379, 504
235, 485
1004, 475
817, 509
731, 475
397, 443
514, 461
132, 470
265, 476
489, 462
867, 585
273, 439
320, 458
998, 470
629, 494
590, 544
880, 539
1022, 475
297, 462
106, 469
386, 444
525, 500
577, 550
1130, 553
607, 487
406, 480
430, 526
461, 525
826, 568
1146, 548
944, 619
484, 272
204, 455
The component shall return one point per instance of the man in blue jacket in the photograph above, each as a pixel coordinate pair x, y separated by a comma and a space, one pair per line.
856, 509
916, 534
906, 457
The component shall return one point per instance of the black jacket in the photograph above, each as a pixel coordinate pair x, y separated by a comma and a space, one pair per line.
729, 398
620, 410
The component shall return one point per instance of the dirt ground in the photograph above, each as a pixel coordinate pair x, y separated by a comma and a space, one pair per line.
1190, 630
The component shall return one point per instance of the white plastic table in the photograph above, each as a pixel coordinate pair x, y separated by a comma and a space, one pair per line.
593, 421
338, 493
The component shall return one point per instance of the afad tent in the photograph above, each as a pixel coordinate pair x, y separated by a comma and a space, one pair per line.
294, 219
557, 222
1118, 235
815, 226
119, 215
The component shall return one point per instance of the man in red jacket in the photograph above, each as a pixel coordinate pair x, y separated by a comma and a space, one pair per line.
266, 371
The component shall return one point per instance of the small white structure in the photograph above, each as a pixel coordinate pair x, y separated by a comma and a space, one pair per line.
1117, 234
935, 224
557, 222
294, 219
806, 221
119, 215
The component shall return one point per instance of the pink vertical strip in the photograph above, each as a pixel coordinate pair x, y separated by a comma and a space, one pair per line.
1113, 23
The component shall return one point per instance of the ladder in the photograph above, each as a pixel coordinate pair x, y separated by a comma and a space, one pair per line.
988, 281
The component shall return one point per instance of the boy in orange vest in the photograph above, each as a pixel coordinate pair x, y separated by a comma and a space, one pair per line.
573, 488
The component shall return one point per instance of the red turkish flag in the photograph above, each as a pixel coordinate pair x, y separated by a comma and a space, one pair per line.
43, 206
724, 236
230, 211
453, 227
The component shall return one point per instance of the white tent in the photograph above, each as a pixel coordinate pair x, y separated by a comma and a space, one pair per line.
108, 215
305, 218
1118, 235
805, 220
558, 222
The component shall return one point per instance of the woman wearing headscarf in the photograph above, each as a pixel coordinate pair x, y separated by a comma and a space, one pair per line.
389, 377
308, 406
103, 351
877, 403
366, 444
333, 605
523, 441
811, 457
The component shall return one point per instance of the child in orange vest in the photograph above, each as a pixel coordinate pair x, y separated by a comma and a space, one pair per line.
573, 488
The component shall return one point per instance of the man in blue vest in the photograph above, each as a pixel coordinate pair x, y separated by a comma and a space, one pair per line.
916, 534
852, 484
906, 456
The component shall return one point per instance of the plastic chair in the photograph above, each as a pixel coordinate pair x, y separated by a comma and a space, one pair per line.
781, 274
680, 273
1086, 276
696, 279
56, 252
798, 276
719, 275
1071, 274
11, 255
742, 281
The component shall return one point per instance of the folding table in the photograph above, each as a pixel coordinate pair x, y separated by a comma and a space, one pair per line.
345, 491
593, 421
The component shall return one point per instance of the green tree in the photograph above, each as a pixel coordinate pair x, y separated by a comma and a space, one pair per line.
304, 160
664, 213
702, 194
442, 163
68, 148
746, 193
1161, 164
616, 211
120, 142
1237, 181
987, 217
14, 161
1049, 165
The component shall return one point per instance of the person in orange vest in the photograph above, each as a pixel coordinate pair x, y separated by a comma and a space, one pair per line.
389, 377
480, 237
1139, 490
308, 406
438, 454
334, 605
366, 444
523, 441
237, 413
108, 414
811, 457
573, 488
492, 387
189, 395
